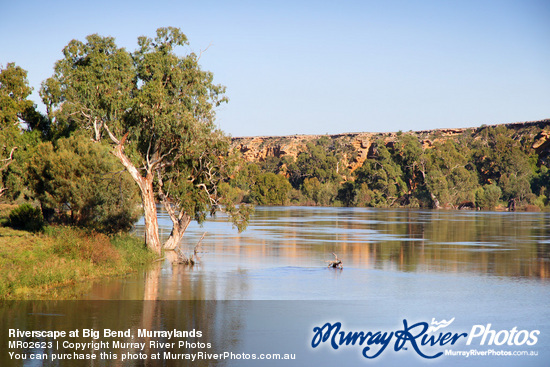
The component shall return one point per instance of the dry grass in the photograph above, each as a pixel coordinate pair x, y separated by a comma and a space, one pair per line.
33, 264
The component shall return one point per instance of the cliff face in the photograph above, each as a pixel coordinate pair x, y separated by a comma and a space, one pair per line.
357, 147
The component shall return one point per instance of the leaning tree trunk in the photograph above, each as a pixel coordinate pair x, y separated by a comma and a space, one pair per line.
179, 225
150, 212
435, 202
7, 161
147, 198
180, 219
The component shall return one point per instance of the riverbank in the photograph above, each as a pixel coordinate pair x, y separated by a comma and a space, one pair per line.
484, 167
36, 266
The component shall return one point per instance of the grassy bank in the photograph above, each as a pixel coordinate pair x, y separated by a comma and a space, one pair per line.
36, 265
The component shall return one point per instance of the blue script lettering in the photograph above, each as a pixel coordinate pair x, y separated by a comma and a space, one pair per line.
406, 335
409, 334
332, 331
320, 337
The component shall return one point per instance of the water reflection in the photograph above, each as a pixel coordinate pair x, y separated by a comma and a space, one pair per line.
493, 243
284, 253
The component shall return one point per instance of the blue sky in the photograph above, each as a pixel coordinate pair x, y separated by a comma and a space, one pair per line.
317, 67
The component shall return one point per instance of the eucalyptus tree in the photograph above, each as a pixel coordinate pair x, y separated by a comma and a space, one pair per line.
157, 110
447, 174
383, 176
500, 159
14, 93
14, 108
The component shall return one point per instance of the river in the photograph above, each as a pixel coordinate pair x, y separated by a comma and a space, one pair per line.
266, 289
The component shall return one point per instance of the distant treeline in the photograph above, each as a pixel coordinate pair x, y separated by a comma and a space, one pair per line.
492, 167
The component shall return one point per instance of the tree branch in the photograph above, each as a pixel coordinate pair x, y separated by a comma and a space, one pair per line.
147, 155
212, 201
201, 51
113, 138
161, 158
119, 153
8, 160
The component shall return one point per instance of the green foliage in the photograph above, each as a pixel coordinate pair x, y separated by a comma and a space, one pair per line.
408, 154
346, 194
241, 183
449, 174
271, 164
8, 148
270, 189
233, 194
322, 194
516, 185
15, 175
27, 218
364, 196
319, 162
14, 91
500, 159
17, 111
380, 180
245, 176
93, 83
541, 181
79, 182
487, 197
17, 115
239, 215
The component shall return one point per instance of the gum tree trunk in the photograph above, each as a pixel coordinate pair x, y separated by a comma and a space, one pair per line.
145, 184
180, 223
150, 210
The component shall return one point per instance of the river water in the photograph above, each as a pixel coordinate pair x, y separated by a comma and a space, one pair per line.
266, 289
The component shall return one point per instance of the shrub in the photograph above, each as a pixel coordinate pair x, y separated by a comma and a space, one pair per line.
270, 189
487, 197
27, 218
80, 183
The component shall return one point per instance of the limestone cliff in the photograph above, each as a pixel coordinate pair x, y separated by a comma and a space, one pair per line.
357, 147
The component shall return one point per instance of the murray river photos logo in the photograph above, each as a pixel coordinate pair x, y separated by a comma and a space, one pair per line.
425, 339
